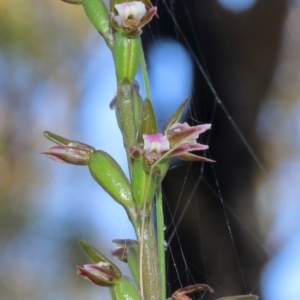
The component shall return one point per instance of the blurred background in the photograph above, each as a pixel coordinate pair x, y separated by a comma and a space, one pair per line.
236, 222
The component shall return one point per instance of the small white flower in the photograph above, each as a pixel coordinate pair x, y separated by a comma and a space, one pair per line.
130, 10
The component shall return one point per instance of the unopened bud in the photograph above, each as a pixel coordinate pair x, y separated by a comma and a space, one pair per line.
68, 151
99, 273
102, 272
70, 155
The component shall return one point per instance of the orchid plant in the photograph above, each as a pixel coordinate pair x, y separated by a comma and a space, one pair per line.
148, 154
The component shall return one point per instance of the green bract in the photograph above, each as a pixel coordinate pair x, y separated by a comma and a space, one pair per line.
95, 255
59, 140
148, 124
107, 172
176, 115
124, 289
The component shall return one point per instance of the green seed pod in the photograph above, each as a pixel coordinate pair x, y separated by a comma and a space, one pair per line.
107, 172
125, 113
135, 107
97, 13
142, 185
126, 54
124, 289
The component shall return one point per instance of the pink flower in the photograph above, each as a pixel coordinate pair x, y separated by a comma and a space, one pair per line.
154, 146
179, 140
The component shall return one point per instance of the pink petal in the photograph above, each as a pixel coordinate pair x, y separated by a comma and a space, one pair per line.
156, 142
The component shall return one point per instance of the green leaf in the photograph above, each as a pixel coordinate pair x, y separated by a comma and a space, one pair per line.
176, 116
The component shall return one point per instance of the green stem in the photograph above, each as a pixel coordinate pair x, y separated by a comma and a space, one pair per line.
150, 282
161, 241
145, 73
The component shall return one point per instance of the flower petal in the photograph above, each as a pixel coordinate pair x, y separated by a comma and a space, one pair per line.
183, 133
193, 157
156, 143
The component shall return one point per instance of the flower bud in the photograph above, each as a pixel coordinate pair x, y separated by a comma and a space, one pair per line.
102, 272
68, 151
99, 273
70, 155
